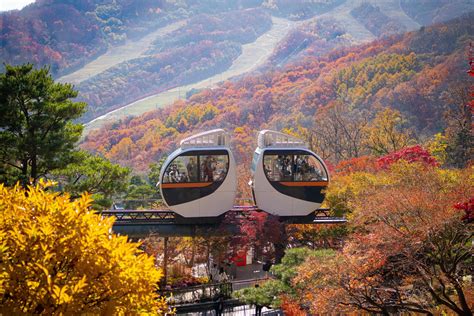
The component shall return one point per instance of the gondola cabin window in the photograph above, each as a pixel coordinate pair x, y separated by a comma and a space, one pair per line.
293, 168
182, 169
213, 167
197, 168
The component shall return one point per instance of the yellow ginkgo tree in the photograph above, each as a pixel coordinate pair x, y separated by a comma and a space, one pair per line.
59, 257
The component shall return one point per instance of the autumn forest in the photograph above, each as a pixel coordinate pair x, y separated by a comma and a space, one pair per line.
95, 95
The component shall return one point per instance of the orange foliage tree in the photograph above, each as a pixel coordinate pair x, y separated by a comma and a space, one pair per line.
410, 249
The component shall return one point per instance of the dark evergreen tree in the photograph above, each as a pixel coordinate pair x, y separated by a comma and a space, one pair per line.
37, 132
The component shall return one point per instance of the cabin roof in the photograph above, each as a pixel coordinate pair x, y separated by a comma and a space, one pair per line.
213, 138
273, 139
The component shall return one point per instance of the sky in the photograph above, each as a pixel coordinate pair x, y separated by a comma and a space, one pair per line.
6, 5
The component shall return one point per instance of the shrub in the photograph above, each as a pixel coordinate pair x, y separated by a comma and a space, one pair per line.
59, 257
409, 154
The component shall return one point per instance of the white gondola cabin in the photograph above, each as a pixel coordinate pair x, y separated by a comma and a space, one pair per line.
288, 179
199, 178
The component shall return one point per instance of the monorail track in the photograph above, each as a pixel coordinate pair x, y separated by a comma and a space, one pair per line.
142, 223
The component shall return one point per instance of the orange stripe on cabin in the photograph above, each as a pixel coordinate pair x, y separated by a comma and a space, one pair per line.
180, 185
305, 183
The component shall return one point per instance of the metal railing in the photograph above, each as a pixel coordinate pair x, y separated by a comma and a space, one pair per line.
199, 293
320, 216
208, 292
161, 216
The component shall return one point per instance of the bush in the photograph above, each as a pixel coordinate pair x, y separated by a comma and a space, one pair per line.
59, 257
409, 154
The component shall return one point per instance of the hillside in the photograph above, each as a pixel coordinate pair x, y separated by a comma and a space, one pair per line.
314, 38
204, 45
376, 21
409, 72
253, 55
357, 21
67, 34
435, 11
120, 52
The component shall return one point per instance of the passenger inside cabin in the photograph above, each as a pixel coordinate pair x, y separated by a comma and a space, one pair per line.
285, 168
191, 167
173, 175
207, 168
293, 168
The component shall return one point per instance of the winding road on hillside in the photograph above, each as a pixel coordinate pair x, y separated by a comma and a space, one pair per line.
253, 55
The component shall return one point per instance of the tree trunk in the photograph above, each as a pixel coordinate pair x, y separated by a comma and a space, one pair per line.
208, 257
24, 172
165, 262
280, 246
34, 168
193, 252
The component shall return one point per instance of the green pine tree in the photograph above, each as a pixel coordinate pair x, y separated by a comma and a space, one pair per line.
37, 132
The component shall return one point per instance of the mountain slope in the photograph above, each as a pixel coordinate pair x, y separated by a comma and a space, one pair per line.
204, 45
408, 72
210, 35
129, 50
67, 34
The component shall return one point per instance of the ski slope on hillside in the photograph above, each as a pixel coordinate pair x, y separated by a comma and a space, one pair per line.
118, 54
253, 55
256, 53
